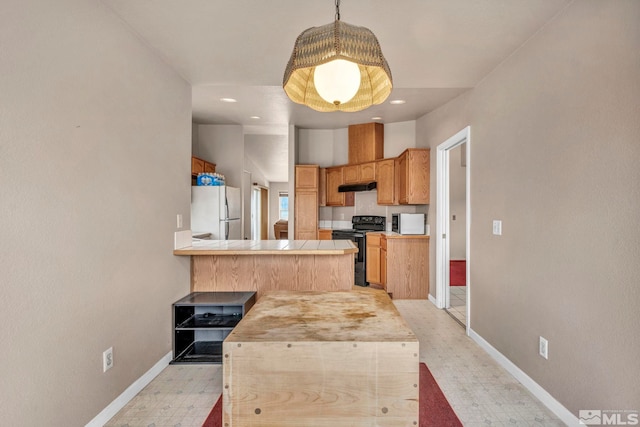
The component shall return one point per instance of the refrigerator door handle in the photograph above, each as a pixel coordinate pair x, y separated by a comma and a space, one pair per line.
226, 230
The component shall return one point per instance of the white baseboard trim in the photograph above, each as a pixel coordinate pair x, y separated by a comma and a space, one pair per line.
433, 300
540, 393
131, 391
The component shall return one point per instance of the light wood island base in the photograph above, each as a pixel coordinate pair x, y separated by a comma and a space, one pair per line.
321, 359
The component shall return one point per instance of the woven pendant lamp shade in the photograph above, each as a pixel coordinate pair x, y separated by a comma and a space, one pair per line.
338, 40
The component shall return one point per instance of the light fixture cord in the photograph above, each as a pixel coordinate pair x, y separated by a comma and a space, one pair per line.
337, 10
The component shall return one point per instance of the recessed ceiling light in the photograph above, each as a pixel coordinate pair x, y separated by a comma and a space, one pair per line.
254, 117
397, 101
376, 118
228, 100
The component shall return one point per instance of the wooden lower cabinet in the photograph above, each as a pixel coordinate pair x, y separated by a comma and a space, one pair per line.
400, 264
383, 265
373, 259
324, 234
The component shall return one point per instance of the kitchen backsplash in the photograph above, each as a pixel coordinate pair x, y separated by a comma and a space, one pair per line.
366, 203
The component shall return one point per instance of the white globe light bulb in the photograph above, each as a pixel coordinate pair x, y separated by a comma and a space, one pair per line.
337, 81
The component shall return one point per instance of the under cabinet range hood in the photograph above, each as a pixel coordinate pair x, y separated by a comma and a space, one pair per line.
348, 188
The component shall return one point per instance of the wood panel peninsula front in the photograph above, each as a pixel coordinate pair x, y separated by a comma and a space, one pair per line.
267, 265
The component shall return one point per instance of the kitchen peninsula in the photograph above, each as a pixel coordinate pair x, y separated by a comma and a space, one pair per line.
266, 265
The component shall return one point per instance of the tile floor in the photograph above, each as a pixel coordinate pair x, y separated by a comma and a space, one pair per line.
458, 303
478, 389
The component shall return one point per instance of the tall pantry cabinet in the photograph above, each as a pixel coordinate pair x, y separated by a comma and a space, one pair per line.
306, 202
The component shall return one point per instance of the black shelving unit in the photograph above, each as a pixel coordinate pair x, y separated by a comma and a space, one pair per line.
202, 320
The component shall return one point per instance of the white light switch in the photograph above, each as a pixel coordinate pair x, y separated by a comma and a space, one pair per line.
179, 221
497, 227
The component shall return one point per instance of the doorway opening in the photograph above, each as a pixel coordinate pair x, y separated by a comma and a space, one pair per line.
453, 220
259, 213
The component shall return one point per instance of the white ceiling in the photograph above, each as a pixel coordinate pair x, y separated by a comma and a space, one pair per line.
436, 50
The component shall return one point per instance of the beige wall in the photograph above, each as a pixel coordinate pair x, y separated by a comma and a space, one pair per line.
554, 155
94, 166
224, 146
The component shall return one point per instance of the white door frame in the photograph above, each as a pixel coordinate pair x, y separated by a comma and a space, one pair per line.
442, 219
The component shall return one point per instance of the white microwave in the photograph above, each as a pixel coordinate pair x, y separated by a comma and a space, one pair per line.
409, 223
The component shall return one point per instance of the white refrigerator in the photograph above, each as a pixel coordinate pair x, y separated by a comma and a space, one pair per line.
216, 210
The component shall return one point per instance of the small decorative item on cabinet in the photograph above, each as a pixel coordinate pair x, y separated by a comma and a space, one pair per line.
202, 320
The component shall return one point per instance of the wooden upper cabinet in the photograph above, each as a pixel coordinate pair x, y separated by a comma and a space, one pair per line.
385, 177
401, 178
362, 173
351, 174
209, 167
367, 172
335, 178
366, 142
307, 177
199, 166
322, 187
412, 175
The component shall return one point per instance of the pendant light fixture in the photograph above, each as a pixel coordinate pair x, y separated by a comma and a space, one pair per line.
337, 67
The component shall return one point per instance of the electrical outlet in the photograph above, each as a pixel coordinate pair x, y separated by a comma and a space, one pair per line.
107, 359
543, 348
497, 227
179, 221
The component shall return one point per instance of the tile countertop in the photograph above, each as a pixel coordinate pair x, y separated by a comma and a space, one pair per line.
269, 247
393, 235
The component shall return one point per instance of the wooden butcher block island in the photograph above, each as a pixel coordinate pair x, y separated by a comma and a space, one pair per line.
322, 359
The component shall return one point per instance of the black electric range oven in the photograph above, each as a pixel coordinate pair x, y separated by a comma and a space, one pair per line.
361, 225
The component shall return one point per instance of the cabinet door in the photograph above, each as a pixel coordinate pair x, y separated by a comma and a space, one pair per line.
401, 177
351, 174
306, 215
322, 187
366, 142
385, 178
367, 172
307, 177
209, 167
383, 268
197, 166
418, 168
408, 268
373, 258
324, 234
334, 180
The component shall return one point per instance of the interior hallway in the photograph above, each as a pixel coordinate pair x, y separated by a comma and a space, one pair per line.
479, 391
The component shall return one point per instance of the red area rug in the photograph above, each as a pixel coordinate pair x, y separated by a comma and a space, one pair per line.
458, 273
434, 408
